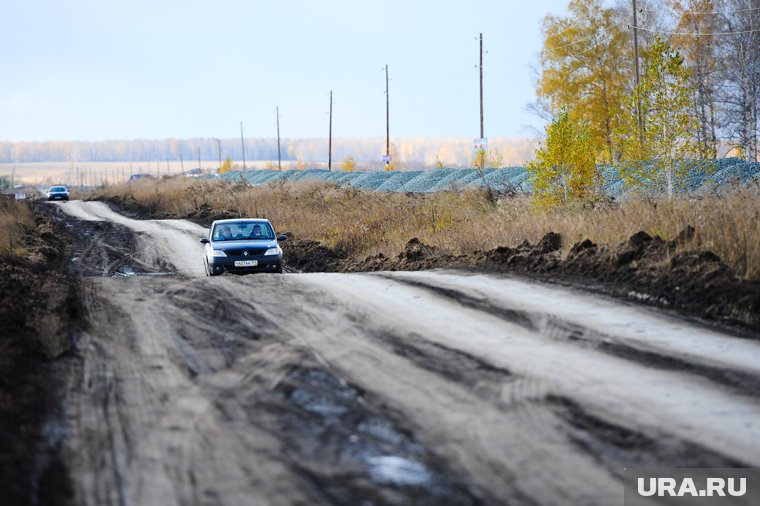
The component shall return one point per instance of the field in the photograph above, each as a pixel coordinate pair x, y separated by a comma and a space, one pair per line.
99, 173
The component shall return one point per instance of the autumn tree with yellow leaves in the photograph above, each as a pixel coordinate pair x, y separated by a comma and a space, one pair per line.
661, 151
564, 169
226, 166
585, 70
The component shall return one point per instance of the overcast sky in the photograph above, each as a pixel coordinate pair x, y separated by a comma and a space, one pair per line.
105, 69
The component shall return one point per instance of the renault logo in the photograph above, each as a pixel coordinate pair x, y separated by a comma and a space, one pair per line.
245, 253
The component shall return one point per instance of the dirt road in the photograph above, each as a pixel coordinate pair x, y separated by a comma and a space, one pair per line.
392, 388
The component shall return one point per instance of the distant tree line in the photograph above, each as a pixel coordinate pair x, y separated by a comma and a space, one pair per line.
406, 151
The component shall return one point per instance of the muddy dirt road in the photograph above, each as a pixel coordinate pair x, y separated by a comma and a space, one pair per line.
388, 388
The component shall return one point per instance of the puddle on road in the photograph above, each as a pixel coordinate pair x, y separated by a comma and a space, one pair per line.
354, 452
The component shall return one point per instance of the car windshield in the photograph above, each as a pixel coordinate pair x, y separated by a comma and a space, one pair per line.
57, 189
243, 230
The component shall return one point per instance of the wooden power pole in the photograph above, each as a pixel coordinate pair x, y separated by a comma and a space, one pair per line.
482, 131
219, 145
387, 121
636, 57
329, 138
242, 143
279, 154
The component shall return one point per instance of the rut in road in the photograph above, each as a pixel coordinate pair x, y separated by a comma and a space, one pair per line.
399, 388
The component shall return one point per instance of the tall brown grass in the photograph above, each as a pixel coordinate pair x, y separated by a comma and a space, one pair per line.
15, 219
364, 222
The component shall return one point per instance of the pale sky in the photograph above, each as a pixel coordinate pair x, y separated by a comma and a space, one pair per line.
129, 69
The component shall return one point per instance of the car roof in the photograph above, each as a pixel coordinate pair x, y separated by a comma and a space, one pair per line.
238, 220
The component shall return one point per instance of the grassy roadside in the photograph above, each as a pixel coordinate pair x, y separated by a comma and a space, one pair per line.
16, 218
362, 223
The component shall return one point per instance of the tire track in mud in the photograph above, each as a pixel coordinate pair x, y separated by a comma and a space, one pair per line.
105, 439
350, 444
618, 447
557, 328
545, 409
458, 420
614, 446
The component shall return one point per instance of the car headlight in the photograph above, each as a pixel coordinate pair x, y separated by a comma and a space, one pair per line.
219, 253
273, 251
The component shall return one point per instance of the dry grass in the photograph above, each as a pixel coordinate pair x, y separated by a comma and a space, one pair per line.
362, 223
15, 218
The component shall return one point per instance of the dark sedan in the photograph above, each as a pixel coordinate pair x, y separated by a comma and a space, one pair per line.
58, 193
242, 246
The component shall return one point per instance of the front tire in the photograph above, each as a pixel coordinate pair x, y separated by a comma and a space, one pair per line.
209, 271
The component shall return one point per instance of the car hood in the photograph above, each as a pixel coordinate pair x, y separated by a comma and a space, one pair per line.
225, 245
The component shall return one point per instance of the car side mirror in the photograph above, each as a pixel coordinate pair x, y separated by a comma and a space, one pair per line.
204, 241
282, 237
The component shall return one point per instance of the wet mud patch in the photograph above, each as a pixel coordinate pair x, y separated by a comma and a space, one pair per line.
618, 447
110, 250
216, 327
355, 452
105, 249
519, 317
744, 383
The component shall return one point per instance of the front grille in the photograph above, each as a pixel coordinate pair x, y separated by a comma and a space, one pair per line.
251, 252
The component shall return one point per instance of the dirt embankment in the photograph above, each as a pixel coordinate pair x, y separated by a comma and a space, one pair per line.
37, 303
644, 268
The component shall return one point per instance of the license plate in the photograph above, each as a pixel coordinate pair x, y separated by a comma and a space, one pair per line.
246, 263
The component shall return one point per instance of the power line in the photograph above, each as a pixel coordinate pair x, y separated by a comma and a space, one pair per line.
576, 42
655, 11
590, 48
698, 34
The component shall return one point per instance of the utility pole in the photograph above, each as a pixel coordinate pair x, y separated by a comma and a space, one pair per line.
329, 138
219, 145
387, 122
242, 143
199, 158
482, 132
636, 56
279, 155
